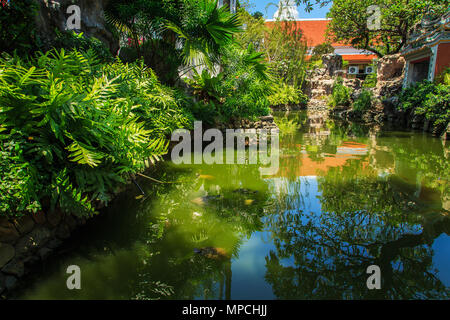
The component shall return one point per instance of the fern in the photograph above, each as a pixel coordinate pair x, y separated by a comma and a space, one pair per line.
96, 123
82, 155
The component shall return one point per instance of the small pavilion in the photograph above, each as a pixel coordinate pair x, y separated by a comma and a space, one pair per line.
427, 52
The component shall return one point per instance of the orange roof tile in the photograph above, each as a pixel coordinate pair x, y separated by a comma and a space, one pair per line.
314, 31
355, 58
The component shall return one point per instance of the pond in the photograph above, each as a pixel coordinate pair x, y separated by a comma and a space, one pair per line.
345, 197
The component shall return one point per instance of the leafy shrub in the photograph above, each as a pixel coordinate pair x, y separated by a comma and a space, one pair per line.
17, 27
428, 99
70, 40
444, 77
322, 49
284, 94
239, 91
340, 95
17, 185
86, 126
364, 101
371, 80
287, 126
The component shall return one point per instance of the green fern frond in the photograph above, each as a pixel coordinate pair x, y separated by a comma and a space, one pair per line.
81, 154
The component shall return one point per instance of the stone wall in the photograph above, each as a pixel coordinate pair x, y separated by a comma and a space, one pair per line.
264, 122
28, 240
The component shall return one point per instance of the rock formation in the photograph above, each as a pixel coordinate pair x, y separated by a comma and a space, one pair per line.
320, 81
390, 74
52, 15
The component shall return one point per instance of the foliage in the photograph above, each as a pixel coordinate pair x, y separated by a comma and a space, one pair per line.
371, 79
287, 126
203, 38
258, 15
321, 49
16, 27
287, 95
187, 32
428, 99
70, 40
350, 22
85, 126
239, 91
254, 33
309, 4
282, 43
364, 101
286, 50
340, 95
17, 186
444, 77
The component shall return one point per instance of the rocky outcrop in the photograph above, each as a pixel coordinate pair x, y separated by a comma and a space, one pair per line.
53, 15
319, 82
390, 74
332, 63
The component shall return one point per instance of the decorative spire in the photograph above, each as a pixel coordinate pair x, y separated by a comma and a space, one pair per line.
232, 4
287, 10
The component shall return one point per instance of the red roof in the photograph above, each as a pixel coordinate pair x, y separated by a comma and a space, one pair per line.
314, 32
359, 58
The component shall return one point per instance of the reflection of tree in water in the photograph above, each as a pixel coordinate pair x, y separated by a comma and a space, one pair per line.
364, 221
227, 213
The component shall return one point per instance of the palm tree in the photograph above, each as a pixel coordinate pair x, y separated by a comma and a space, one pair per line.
202, 43
198, 29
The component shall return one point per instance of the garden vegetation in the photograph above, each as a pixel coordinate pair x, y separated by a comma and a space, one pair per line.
76, 121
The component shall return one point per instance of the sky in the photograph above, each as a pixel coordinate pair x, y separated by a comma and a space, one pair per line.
260, 5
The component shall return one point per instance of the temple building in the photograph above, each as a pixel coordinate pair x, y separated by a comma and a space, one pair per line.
427, 52
287, 10
314, 32
232, 4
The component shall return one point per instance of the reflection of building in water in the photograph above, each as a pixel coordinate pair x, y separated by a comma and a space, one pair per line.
317, 128
304, 164
352, 148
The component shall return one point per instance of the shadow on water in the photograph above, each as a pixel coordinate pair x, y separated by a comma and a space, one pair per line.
345, 197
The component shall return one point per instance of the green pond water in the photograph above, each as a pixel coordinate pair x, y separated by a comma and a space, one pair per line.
345, 197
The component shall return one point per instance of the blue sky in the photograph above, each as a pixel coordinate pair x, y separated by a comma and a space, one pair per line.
260, 5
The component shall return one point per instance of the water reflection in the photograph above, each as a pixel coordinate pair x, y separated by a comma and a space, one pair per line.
345, 197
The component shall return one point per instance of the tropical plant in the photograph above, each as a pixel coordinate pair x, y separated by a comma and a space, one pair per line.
170, 34
287, 126
70, 40
340, 95
364, 101
430, 100
286, 95
18, 192
286, 51
17, 31
85, 126
444, 77
206, 32
239, 91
